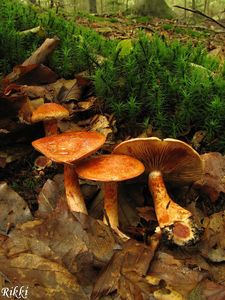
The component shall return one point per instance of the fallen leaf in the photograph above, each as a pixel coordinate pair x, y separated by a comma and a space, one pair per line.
13, 153
198, 138
125, 272
147, 213
66, 90
34, 91
30, 75
47, 198
207, 290
13, 209
101, 124
124, 47
76, 241
87, 104
213, 241
25, 112
213, 180
175, 273
45, 279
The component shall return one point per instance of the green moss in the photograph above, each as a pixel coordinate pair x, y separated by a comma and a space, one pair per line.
78, 47
144, 19
167, 26
174, 88
170, 85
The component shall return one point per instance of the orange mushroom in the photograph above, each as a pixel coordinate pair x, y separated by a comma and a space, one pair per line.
110, 169
176, 162
50, 113
69, 148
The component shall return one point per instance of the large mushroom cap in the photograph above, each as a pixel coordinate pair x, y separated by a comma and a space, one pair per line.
69, 147
178, 162
49, 111
108, 168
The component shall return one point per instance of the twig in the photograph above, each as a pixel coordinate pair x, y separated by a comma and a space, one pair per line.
201, 14
40, 55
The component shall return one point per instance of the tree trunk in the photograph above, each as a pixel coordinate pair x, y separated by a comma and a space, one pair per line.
206, 6
93, 6
156, 8
101, 5
51, 3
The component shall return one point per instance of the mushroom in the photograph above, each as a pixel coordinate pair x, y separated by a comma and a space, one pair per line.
109, 169
68, 148
49, 113
176, 162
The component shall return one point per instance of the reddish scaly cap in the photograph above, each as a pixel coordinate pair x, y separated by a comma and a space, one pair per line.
70, 146
110, 167
49, 111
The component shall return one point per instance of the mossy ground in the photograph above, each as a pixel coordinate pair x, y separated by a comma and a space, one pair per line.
163, 79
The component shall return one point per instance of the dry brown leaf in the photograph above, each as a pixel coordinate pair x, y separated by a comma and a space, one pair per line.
213, 181
31, 75
198, 138
147, 213
125, 272
128, 214
47, 198
66, 90
175, 273
83, 80
18, 72
218, 52
69, 125
78, 242
10, 154
45, 279
213, 241
101, 124
208, 290
87, 104
34, 91
13, 209
26, 111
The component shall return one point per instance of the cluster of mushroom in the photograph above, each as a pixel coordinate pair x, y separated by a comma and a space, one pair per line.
169, 159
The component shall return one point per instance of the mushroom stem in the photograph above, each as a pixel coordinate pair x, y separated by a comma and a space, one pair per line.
167, 211
175, 221
74, 196
111, 204
50, 127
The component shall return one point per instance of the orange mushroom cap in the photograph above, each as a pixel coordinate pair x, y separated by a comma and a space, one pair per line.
69, 147
49, 111
109, 168
176, 160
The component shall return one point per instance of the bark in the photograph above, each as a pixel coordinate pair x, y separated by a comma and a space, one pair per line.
206, 6
185, 12
93, 6
156, 8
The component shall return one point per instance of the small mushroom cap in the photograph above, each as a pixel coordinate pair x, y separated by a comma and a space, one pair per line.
49, 111
69, 147
176, 160
108, 168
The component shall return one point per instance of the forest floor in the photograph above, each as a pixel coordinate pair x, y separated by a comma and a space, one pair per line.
206, 32
79, 256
